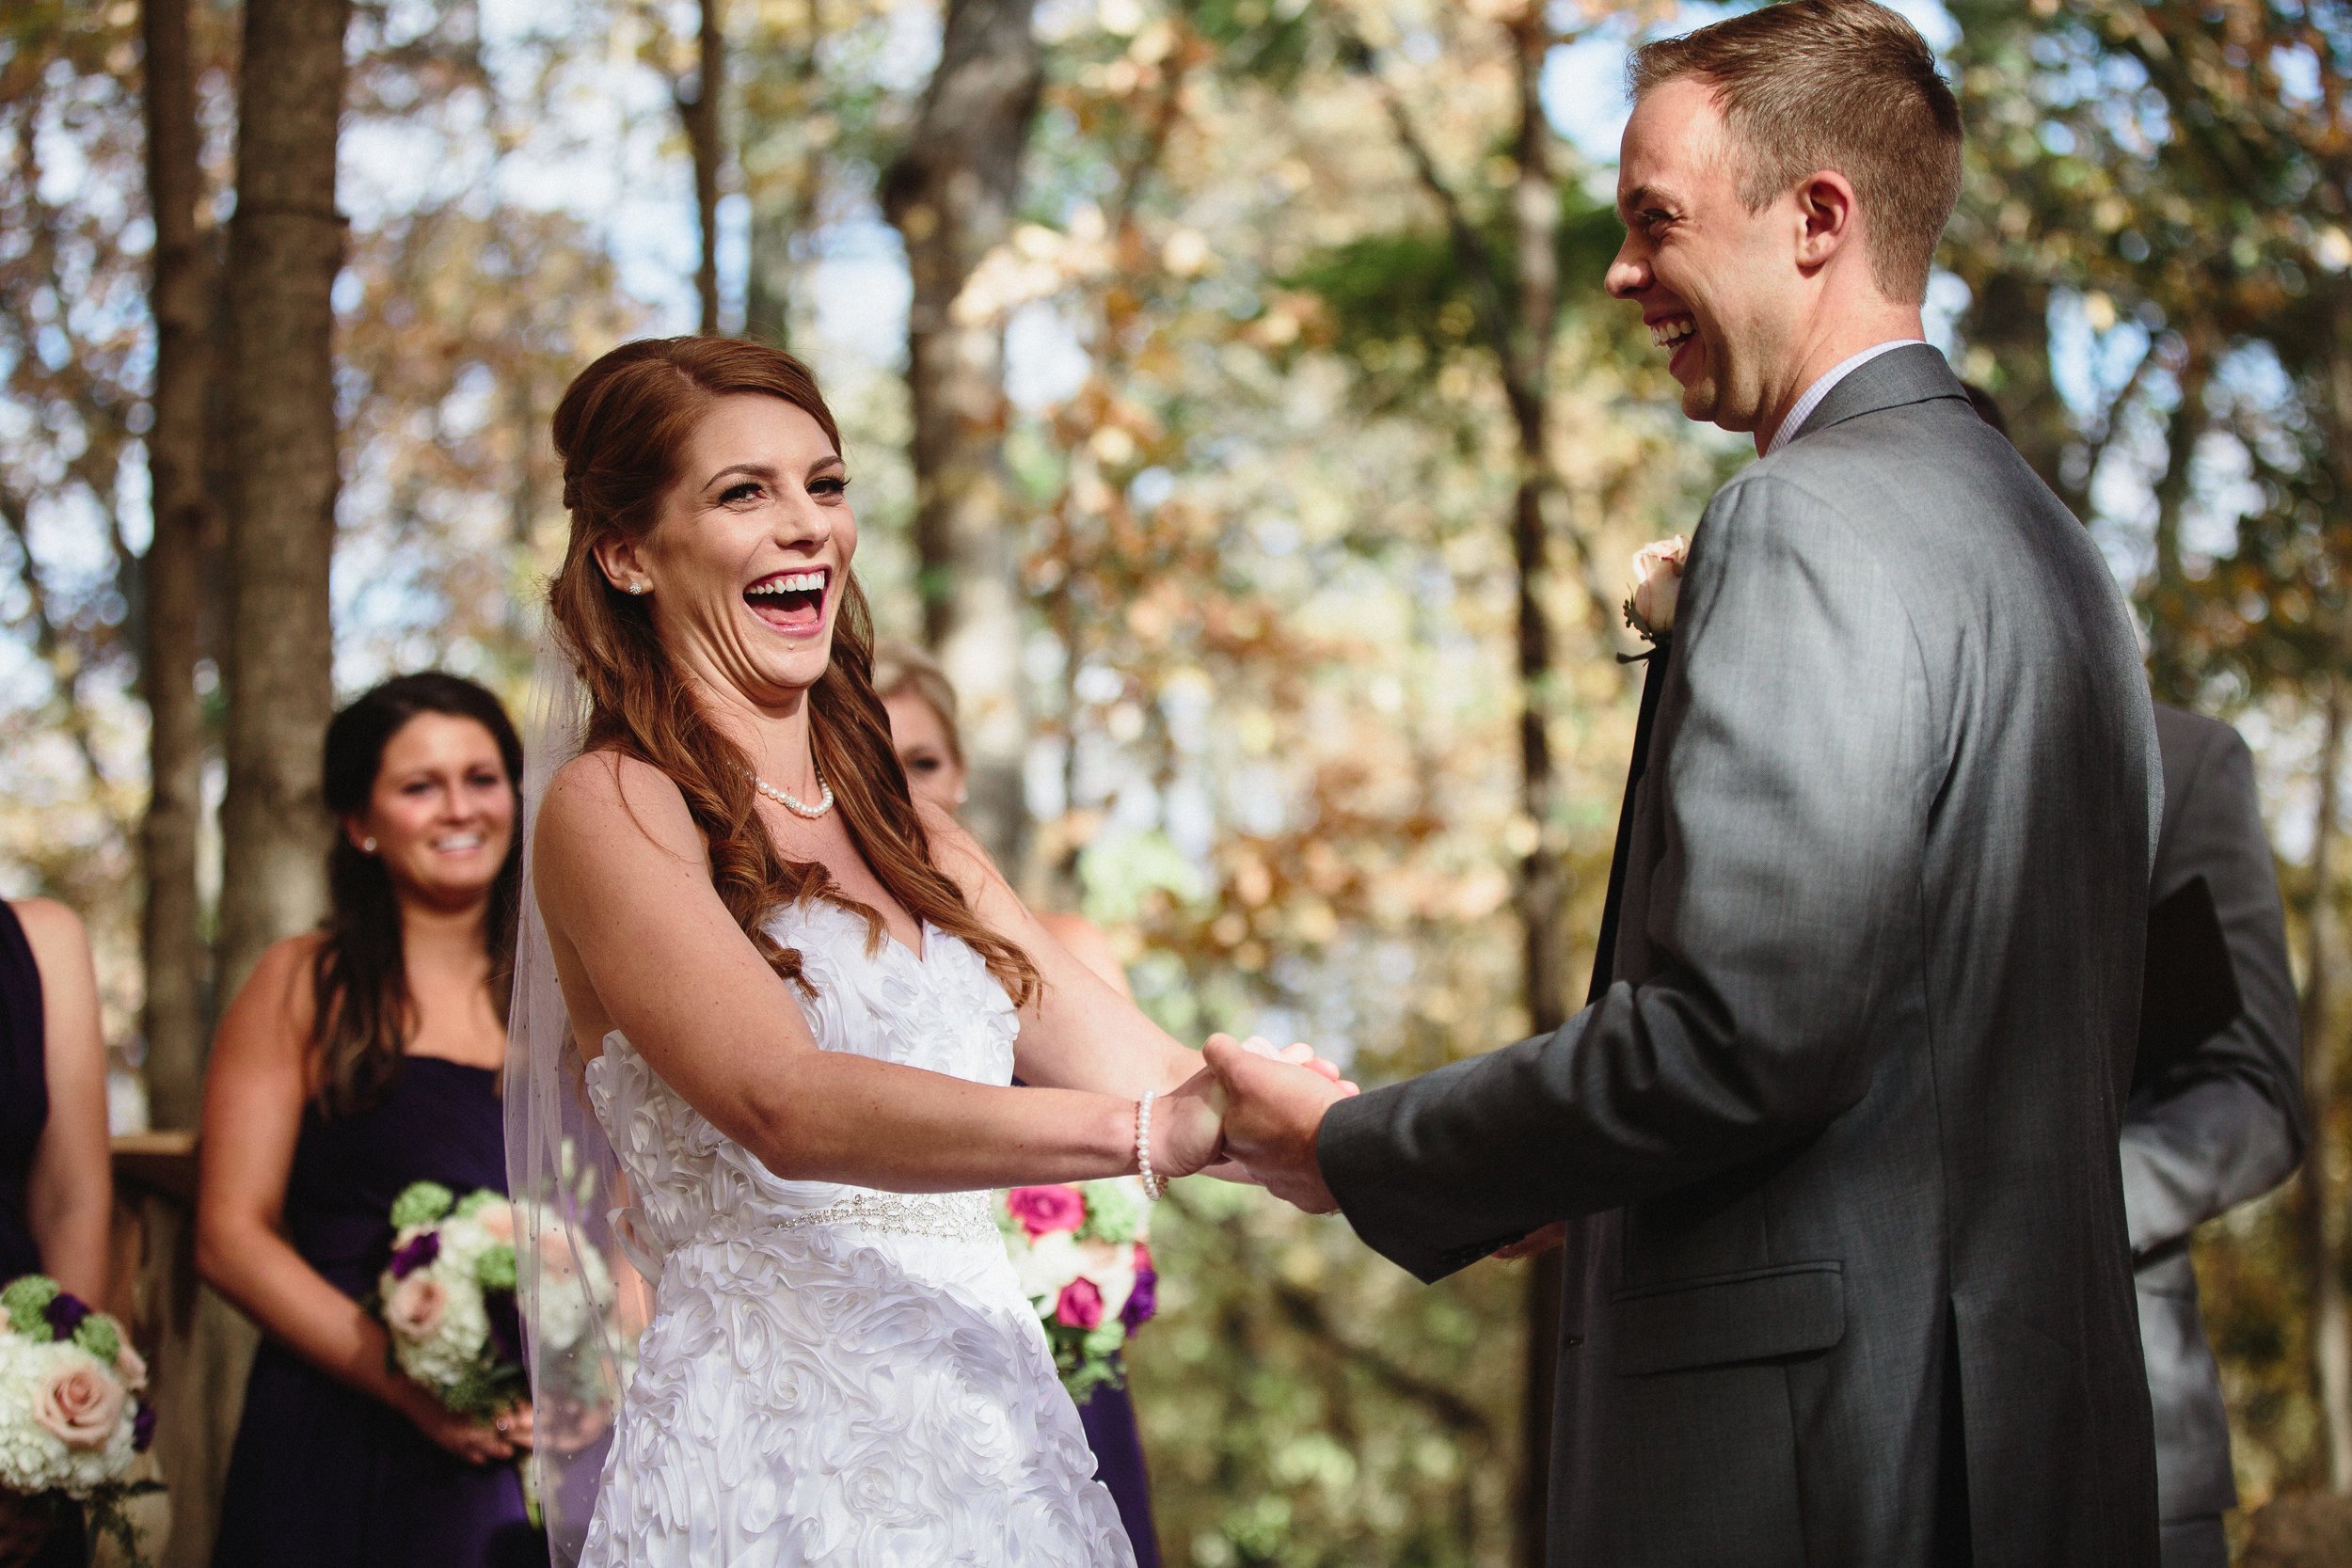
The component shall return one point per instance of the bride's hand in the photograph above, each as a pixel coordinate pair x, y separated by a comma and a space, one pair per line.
1188, 1127
1187, 1124
1300, 1054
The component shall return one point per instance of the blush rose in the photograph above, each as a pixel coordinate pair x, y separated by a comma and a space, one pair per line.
78, 1404
415, 1307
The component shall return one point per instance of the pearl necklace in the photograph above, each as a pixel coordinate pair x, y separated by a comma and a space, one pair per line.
792, 804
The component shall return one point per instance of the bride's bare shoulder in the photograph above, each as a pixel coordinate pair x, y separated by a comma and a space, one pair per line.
600, 795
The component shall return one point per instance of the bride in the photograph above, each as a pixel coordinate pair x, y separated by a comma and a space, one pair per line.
794, 1000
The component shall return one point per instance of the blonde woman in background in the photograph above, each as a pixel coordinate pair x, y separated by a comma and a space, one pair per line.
921, 703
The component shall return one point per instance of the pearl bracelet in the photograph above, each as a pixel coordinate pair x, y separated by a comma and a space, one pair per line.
1154, 1187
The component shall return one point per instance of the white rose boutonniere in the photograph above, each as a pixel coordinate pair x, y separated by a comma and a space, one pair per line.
1657, 583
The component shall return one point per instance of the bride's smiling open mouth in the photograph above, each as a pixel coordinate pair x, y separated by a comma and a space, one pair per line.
791, 601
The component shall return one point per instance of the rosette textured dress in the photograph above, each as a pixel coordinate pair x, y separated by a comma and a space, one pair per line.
836, 1376
321, 1473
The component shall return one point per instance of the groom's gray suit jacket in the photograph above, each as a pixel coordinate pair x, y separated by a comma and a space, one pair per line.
1850, 1285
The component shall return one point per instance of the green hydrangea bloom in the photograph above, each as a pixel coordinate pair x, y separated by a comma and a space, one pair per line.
1114, 1212
475, 1201
24, 1301
101, 1337
421, 1204
495, 1268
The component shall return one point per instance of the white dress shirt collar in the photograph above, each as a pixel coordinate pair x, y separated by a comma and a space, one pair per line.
1825, 385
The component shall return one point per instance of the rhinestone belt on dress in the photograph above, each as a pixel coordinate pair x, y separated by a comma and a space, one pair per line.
948, 1217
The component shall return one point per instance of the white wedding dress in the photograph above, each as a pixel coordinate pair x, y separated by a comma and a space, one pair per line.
835, 1375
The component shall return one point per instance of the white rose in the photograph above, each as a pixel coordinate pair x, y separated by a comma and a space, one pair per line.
1657, 585
1052, 1262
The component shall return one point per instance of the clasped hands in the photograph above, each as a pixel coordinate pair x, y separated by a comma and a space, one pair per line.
1252, 1115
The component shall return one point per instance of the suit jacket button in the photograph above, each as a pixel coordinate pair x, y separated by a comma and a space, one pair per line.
1573, 1340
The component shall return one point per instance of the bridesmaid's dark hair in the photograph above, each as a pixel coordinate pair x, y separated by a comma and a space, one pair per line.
360, 976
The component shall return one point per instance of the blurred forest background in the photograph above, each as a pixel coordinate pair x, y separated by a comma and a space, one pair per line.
1233, 401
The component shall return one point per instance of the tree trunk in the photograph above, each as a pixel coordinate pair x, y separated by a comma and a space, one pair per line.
700, 113
1542, 892
181, 294
952, 195
784, 205
2011, 318
2322, 1224
2323, 1192
2169, 602
285, 244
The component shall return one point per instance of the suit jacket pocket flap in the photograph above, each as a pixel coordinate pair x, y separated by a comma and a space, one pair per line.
1752, 1316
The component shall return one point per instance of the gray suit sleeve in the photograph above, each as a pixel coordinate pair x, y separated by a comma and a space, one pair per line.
1793, 797
2227, 1125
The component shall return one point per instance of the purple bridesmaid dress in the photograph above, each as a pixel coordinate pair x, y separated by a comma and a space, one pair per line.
23, 1112
24, 1092
1109, 1416
321, 1473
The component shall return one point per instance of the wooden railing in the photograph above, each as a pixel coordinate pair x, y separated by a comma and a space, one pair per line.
198, 1346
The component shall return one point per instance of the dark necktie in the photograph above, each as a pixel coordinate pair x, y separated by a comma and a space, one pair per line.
1605, 953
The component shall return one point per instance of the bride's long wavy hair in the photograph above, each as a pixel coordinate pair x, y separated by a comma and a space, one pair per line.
621, 430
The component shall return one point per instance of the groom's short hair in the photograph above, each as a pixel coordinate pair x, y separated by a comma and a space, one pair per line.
1844, 85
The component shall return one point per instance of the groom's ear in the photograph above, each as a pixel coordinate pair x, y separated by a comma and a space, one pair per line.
1830, 215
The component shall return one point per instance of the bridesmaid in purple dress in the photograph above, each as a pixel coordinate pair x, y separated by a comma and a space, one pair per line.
355, 1061
56, 1187
922, 707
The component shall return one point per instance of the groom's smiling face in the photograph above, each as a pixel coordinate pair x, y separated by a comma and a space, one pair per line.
1716, 283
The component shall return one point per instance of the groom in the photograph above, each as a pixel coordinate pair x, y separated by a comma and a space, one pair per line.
1848, 1276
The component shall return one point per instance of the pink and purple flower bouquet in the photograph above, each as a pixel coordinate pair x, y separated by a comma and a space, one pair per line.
1083, 1254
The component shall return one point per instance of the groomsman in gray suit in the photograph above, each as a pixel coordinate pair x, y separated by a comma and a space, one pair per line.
1834, 1143
2216, 1118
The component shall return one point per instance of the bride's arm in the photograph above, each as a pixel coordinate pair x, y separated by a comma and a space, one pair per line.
1079, 1031
621, 878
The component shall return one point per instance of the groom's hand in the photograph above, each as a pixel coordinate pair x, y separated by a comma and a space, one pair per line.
1273, 1110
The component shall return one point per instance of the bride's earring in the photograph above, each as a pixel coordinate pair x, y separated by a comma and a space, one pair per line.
638, 587
366, 846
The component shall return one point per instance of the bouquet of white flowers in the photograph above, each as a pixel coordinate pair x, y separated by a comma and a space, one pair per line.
71, 1416
448, 1298
448, 1295
1083, 1254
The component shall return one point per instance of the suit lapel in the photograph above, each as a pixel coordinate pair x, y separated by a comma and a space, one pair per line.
1605, 952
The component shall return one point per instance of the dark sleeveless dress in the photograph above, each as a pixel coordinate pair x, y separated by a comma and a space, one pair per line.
1109, 1418
24, 1092
323, 1473
24, 1113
